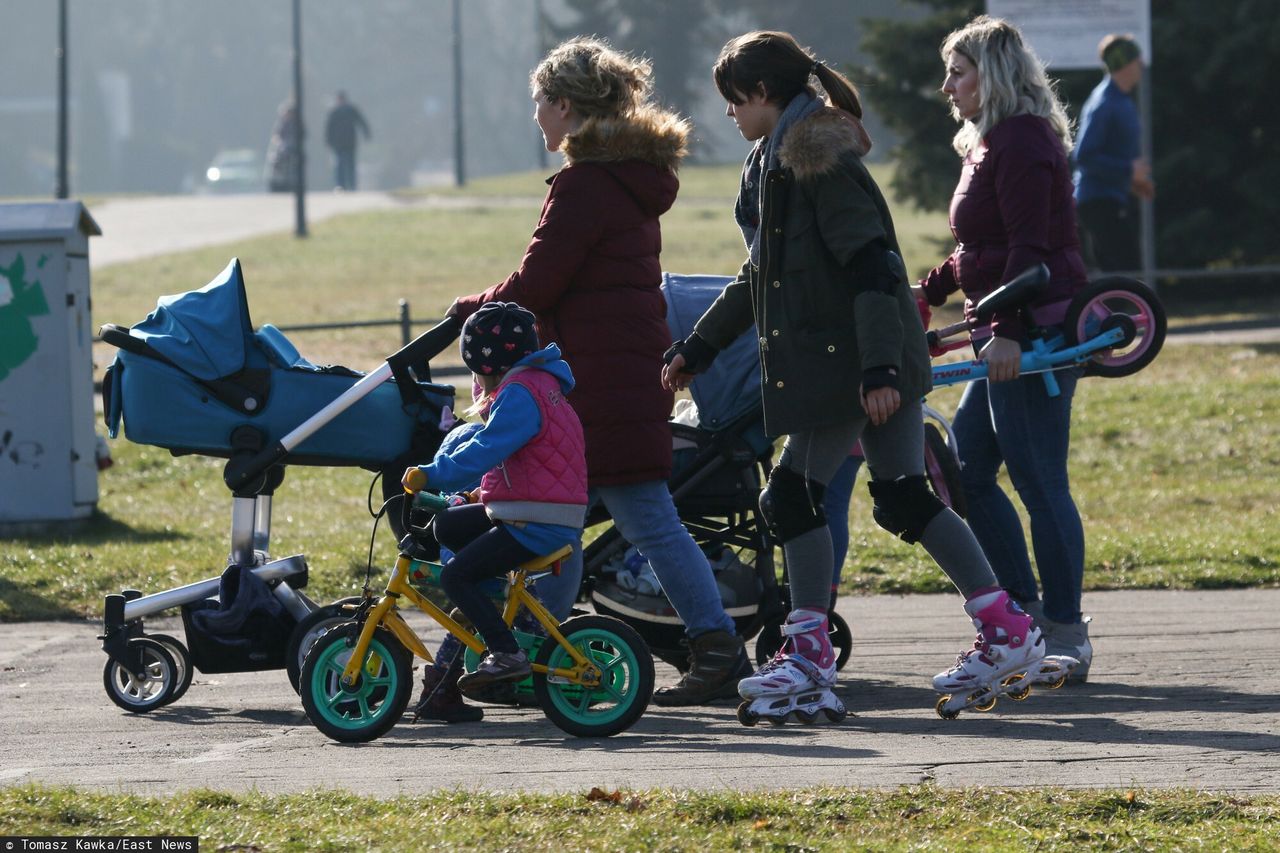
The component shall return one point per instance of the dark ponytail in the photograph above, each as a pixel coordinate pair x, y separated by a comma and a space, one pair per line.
777, 62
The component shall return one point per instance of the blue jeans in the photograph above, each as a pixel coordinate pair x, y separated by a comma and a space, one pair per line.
836, 505
1019, 425
646, 517
344, 169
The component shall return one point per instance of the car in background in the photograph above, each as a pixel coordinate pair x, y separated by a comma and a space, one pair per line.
234, 170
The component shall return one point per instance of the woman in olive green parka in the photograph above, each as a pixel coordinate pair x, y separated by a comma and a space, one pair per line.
842, 349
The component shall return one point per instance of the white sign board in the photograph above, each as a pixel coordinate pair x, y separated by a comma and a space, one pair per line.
1065, 33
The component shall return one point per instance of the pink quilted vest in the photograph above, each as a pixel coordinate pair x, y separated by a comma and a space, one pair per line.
546, 480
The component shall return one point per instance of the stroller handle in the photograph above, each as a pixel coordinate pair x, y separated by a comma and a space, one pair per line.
244, 474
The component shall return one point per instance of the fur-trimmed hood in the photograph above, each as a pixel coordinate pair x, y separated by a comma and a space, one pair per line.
650, 134
815, 144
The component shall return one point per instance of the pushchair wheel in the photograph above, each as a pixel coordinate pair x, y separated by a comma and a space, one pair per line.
367, 709
182, 658
626, 682
147, 690
770, 640
308, 630
1093, 307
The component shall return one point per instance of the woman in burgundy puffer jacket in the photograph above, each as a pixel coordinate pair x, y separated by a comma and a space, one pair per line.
592, 277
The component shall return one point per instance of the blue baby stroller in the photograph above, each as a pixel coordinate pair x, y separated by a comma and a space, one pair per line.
194, 377
722, 459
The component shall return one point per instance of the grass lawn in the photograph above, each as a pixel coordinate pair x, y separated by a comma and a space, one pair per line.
1173, 468
913, 818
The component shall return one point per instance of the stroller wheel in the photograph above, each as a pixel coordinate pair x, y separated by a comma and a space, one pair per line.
310, 629
139, 693
770, 640
182, 658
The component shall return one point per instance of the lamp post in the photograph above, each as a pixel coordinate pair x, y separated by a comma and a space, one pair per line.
459, 163
61, 188
300, 161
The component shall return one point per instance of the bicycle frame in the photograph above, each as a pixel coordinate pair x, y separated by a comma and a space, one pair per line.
1046, 356
386, 613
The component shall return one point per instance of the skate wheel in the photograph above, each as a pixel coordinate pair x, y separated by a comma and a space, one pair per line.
1056, 683
986, 705
1020, 694
776, 721
807, 718
941, 708
746, 716
835, 715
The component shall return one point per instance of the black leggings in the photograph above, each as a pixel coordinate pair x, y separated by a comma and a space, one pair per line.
482, 549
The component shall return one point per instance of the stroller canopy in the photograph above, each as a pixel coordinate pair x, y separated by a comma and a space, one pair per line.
204, 332
731, 387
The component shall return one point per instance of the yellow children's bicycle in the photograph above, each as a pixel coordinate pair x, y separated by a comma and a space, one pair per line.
592, 675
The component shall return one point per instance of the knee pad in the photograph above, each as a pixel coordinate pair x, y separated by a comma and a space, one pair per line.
791, 505
905, 506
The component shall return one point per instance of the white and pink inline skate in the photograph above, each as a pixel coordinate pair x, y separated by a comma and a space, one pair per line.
1007, 658
797, 683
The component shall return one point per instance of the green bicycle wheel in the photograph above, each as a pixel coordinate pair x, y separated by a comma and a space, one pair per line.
369, 708
625, 686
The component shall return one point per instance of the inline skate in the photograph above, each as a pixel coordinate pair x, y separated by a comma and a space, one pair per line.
793, 685
1008, 656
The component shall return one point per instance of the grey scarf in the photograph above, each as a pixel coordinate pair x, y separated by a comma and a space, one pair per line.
762, 159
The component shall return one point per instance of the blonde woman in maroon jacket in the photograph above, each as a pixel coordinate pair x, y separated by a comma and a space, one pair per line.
592, 276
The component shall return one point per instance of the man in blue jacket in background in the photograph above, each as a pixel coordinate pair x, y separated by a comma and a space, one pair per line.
1110, 173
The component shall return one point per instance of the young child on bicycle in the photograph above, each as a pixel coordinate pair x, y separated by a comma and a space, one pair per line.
530, 459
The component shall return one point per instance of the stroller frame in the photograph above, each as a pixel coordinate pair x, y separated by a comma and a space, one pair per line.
144, 672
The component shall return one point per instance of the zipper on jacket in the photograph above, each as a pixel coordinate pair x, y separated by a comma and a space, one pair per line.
502, 466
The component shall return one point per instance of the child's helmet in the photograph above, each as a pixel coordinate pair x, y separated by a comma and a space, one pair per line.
497, 336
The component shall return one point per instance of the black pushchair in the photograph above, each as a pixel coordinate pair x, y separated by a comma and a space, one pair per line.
722, 459
195, 378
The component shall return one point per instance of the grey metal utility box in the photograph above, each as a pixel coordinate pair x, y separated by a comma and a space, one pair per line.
48, 470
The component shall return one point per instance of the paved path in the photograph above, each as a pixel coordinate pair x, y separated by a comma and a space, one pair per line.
1183, 693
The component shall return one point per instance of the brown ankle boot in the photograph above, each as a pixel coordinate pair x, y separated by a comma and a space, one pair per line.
441, 699
717, 662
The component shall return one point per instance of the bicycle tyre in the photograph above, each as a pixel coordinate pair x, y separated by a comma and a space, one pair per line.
626, 685
374, 704
1090, 308
943, 470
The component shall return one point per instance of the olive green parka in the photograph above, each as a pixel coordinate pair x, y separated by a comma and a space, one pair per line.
818, 327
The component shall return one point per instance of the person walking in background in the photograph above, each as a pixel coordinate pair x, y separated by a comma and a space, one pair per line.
284, 148
340, 127
1110, 174
592, 276
843, 356
1011, 210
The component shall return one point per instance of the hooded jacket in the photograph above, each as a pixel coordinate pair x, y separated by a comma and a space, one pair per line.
592, 277
821, 320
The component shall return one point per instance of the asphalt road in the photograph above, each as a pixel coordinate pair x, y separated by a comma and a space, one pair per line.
1183, 693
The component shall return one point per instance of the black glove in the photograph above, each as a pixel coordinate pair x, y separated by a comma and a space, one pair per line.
698, 354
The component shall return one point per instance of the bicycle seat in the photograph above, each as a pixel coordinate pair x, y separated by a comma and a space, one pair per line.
538, 563
1018, 292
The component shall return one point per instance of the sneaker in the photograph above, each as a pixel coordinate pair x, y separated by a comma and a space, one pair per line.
717, 661
496, 668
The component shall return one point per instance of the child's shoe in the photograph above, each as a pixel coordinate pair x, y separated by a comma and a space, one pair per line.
496, 668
